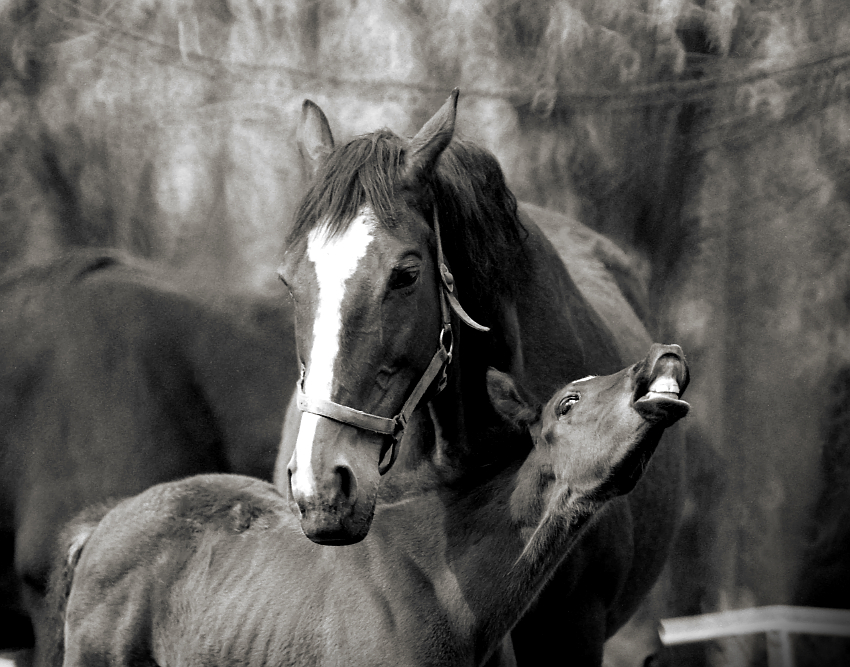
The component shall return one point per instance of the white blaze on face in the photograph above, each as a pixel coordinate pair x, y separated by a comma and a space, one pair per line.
335, 260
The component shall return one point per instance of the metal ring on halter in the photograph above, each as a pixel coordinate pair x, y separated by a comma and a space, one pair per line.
447, 330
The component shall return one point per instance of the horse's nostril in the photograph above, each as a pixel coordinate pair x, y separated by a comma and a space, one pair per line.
347, 483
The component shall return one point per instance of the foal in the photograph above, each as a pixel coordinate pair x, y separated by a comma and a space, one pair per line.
214, 569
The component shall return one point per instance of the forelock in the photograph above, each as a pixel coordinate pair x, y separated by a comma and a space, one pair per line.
364, 171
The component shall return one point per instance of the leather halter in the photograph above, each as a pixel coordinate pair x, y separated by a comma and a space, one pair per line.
395, 426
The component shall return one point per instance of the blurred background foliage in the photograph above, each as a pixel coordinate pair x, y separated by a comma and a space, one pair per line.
709, 138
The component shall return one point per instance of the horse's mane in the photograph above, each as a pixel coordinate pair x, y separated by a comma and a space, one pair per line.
480, 229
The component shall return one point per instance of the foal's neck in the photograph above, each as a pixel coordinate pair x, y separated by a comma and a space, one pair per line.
492, 541
477, 495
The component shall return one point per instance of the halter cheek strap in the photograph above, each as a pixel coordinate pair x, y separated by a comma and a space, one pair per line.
438, 367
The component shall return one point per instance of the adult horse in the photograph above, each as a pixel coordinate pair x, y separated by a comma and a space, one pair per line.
213, 569
388, 235
114, 378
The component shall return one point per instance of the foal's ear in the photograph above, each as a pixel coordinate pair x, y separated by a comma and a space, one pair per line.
508, 400
314, 138
430, 141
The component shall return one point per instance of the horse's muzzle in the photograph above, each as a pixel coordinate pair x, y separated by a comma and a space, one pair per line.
333, 479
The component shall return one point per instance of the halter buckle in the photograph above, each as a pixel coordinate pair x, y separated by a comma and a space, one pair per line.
448, 278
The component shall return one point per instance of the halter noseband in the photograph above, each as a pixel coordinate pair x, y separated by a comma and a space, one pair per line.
438, 367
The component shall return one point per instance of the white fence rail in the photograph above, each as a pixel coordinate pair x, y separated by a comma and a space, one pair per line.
778, 622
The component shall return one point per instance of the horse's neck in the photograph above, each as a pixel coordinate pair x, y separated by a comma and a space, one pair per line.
243, 367
560, 336
482, 546
463, 429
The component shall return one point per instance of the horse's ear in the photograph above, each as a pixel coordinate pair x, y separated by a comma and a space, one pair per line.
430, 141
508, 400
314, 138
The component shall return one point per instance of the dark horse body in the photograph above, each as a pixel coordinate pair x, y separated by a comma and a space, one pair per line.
113, 379
543, 329
214, 570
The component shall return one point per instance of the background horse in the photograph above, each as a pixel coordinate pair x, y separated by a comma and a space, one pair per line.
213, 569
113, 379
360, 264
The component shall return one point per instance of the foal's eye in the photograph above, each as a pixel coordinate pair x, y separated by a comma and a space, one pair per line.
566, 403
402, 278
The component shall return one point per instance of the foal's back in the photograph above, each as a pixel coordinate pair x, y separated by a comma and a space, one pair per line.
214, 570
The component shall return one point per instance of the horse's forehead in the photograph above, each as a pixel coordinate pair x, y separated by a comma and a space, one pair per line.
335, 258
381, 243
345, 247
575, 385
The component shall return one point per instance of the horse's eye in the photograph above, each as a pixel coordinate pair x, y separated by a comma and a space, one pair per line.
566, 403
402, 278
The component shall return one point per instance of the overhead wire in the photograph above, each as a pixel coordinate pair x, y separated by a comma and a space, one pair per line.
738, 72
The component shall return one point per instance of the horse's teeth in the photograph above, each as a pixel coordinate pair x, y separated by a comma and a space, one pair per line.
664, 386
665, 394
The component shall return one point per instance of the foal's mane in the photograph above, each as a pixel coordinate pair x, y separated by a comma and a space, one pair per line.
481, 232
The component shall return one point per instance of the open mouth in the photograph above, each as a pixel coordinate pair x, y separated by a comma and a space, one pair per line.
664, 388
658, 398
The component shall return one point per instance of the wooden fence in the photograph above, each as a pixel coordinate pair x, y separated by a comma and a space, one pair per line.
778, 622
